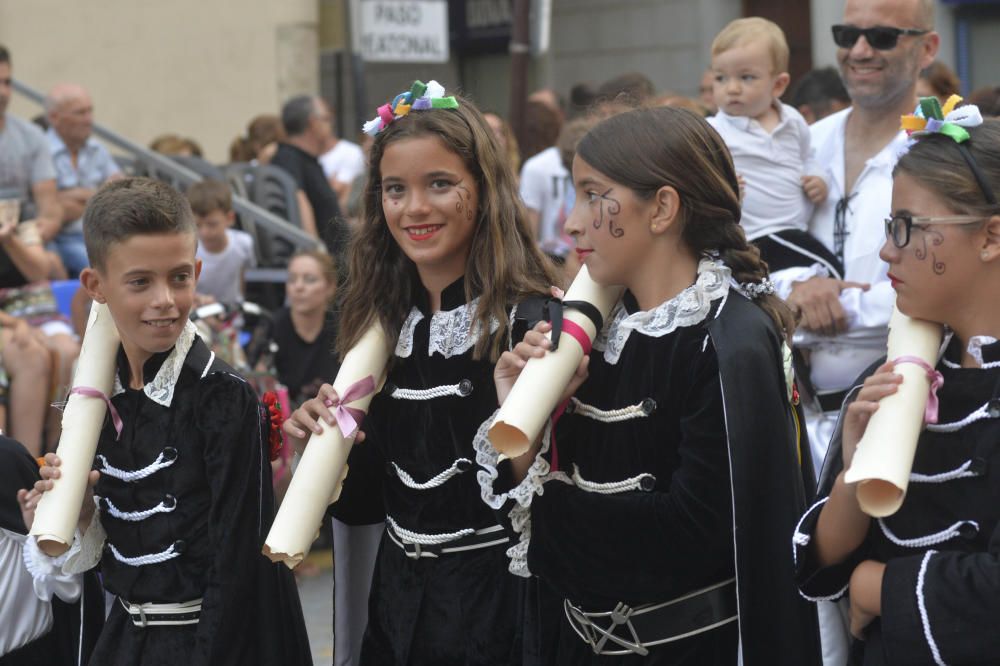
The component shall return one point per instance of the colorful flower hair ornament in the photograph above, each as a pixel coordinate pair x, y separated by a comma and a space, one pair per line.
275, 420
951, 120
420, 97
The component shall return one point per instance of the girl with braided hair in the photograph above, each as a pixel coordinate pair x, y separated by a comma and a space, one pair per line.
657, 529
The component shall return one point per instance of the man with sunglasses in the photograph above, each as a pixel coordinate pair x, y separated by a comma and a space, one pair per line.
882, 46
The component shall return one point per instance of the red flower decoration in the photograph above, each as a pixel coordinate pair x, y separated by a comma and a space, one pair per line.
275, 417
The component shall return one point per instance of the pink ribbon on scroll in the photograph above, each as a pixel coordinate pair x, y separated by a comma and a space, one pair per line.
91, 392
349, 418
580, 335
931, 412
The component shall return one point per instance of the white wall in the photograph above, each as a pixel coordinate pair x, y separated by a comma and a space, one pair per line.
194, 67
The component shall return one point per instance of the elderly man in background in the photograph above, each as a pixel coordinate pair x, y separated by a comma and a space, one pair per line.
82, 165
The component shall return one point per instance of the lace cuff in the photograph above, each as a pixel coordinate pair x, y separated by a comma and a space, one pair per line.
47, 573
521, 494
86, 550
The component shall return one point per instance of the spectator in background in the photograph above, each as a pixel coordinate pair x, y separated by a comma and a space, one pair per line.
506, 139
306, 120
259, 143
225, 253
26, 170
938, 80
670, 98
175, 146
82, 165
819, 93
633, 88
545, 181
342, 161
706, 94
541, 129
551, 99
581, 97
987, 99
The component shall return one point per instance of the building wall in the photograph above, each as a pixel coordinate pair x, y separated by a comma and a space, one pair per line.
199, 69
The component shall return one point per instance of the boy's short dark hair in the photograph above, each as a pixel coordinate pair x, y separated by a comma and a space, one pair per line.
4, 54
210, 195
133, 207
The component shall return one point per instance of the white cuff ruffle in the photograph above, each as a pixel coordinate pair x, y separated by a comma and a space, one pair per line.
522, 494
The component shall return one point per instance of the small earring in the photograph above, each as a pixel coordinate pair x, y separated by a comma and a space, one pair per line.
985, 254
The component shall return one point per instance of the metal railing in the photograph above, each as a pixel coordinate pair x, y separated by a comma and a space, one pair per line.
246, 209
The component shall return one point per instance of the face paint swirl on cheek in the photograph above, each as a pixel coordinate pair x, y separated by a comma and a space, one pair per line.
937, 239
609, 206
464, 202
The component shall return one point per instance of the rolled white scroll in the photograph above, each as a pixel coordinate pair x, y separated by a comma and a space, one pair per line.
884, 458
319, 477
58, 510
537, 390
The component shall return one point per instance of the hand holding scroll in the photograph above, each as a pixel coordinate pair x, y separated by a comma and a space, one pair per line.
28, 499
881, 384
308, 417
534, 345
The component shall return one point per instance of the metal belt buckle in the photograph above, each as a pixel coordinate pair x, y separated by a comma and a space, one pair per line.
589, 630
142, 617
419, 550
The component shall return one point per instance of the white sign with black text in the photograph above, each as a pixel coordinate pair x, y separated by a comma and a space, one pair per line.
398, 31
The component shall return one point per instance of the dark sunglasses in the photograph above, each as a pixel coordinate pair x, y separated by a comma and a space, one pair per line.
880, 37
898, 226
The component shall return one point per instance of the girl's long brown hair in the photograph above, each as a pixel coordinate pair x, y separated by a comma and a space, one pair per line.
504, 265
647, 149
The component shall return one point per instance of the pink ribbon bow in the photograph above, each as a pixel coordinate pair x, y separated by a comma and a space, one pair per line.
937, 379
91, 392
349, 418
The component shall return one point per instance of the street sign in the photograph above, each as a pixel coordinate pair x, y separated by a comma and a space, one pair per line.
399, 31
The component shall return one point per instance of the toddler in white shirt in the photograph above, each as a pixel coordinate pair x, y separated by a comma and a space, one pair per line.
769, 142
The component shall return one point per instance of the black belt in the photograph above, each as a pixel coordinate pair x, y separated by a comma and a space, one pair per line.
627, 630
831, 402
412, 546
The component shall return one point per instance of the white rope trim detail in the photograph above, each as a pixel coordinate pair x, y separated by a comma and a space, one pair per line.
427, 539
959, 473
922, 606
978, 415
141, 560
134, 475
625, 485
434, 482
609, 415
427, 394
136, 516
801, 539
832, 597
928, 540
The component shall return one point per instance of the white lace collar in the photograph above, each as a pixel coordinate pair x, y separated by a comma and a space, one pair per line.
452, 333
687, 308
161, 389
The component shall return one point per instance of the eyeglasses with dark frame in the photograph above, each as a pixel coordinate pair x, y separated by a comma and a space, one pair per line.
880, 37
897, 227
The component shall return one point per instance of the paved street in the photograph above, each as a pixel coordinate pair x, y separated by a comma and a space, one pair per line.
316, 591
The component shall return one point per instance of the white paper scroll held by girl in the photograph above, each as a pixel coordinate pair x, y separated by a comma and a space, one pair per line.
58, 510
536, 393
320, 474
884, 458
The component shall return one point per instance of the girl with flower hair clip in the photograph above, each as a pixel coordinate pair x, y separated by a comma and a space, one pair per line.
441, 260
655, 511
924, 582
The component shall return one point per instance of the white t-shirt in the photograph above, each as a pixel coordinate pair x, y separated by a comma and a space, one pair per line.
772, 164
547, 188
344, 162
221, 272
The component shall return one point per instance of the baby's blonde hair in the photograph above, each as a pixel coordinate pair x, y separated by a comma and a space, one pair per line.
746, 30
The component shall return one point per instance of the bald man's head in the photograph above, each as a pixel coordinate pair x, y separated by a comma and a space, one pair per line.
70, 113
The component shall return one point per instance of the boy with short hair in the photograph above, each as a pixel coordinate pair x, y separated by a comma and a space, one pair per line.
769, 142
225, 253
184, 498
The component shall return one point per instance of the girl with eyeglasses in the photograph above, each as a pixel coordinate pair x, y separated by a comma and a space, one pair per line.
924, 583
